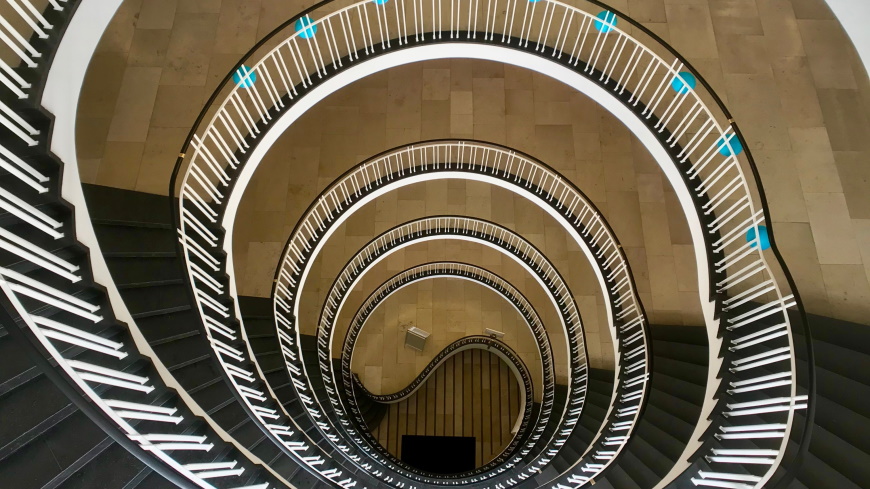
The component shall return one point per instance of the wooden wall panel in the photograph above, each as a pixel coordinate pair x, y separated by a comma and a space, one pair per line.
473, 393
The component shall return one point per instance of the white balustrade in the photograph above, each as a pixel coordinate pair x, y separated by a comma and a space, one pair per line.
653, 80
428, 271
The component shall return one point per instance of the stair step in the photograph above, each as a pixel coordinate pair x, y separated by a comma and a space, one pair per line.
43, 460
133, 237
696, 354
664, 442
843, 390
37, 431
134, 270
262, 327
815, 473
161, 312
843, 423
29, 405
125, 469
667, 421
841, 456
688, 391
620, 479
637, 468
160, 327
255, 307
149, 301
114, 204
690, 372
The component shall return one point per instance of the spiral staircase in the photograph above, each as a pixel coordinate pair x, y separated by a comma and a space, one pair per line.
129, 360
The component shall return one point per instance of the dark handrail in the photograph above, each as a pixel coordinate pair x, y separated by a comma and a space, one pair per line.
353, 328
806, 437
443, 355
447, 352
530, 245
353, 332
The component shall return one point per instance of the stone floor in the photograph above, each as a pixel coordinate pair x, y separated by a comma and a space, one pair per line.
784, 68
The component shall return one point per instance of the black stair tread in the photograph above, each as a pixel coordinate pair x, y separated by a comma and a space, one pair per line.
125, 469
697, 354
211, 396
688, 391
796, 484
121, 223
679, 408
70, 439
30, 467
138, 254
128, 237
668, 422
231, 416
264, 346
842, 387
153, 283
843, 423
841, 456
308, 343
133, 270
620, 479
17, 381
579, 441
663, 441
815, 473
688, 335
55, 454
182, 352
303, 478
601, 374
598, 398
843, 334
590, 419
600, 385
255, 307
109, 203
9, 447
15, 360
638, 470
266, 449
81, 462
30, 405
148, 300
691, 372
159, 327
249, 435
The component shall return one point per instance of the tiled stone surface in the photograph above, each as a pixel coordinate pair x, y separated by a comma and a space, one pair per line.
784, 68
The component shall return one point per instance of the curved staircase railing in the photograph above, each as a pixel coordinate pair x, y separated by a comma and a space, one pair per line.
493, 164
467, 272
52, 305
446, 227
438, 270
711, 169
493, 345
730, 207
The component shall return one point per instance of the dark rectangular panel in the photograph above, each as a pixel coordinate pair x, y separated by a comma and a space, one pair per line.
439, 454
